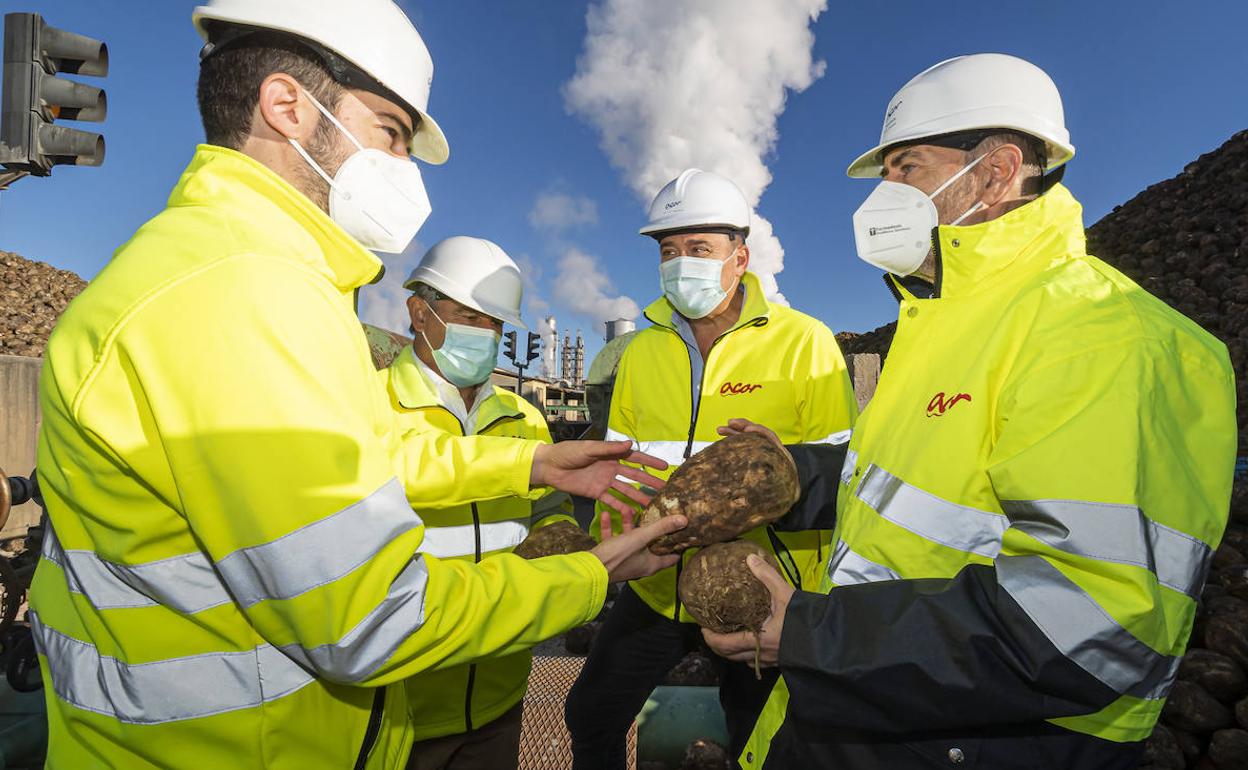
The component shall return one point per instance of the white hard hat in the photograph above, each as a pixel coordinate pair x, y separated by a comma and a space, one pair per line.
986, 90
697, 199
475, 273
375, 36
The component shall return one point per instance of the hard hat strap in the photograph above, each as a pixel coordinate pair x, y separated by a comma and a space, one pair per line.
1049, 180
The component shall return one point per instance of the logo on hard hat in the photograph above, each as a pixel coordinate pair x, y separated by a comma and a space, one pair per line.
889, 120
672, 205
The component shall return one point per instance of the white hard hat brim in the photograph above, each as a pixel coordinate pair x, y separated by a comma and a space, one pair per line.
869, 164
429, 143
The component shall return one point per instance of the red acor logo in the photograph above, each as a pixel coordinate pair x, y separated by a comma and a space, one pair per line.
737, 388
939, 404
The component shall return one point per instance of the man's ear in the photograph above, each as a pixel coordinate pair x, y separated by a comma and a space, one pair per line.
743, 259
281, 109
416, 309
1004, 164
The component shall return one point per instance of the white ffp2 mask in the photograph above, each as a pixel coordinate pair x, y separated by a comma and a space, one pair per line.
380, 200
893, 226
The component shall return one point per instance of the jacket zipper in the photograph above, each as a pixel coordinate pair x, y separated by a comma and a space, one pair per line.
472, 667
782, 552
695, 397
476, 534
373, 730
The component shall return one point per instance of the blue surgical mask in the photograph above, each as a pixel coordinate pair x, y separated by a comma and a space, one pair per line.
692, 285
467, 355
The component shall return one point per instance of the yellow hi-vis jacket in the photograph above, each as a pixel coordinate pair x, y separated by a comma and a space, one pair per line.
1025, 518
775, 366
232, 561
459, 699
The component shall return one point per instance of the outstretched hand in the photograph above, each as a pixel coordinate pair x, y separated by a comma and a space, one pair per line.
743, 646
594, 469
626, 555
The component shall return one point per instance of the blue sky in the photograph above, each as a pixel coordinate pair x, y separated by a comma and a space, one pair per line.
1148, 86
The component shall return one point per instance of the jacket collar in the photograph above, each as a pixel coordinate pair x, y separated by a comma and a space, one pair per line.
287, 222
754, 309
1024, 242
414, 391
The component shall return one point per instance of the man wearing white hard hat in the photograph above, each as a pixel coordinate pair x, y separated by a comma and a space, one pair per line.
464, 289
233, 572
1026, 512
717, 349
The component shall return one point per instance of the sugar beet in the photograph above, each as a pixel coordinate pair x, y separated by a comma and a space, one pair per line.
734, 485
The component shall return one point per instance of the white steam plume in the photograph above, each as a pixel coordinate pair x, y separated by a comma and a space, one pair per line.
583, 288
545, 328
696, 83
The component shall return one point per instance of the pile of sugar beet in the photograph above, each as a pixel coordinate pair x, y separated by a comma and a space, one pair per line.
1204, 724
32, 297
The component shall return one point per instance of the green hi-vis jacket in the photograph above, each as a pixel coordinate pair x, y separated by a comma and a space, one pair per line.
234, 568
459, 699
1024, 519
775, 366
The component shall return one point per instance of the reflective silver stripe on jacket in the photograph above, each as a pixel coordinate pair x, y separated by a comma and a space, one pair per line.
445, 542
311, 556
956, 526
186, 583
321, 552
1115, 533
840, 437
847, 470
847, 568
167, 690
671, 452
363, 649
1083, 631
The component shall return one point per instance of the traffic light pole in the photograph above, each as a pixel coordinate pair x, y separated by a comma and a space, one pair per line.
532, 351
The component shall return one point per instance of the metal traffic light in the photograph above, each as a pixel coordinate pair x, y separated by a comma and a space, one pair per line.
34, 97
535, 345
509, 346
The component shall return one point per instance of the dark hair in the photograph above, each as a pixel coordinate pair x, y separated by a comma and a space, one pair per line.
230, 78
1035, 154
428, 293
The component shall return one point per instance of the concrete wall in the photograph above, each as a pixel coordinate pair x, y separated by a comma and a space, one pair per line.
864, 368
19, 428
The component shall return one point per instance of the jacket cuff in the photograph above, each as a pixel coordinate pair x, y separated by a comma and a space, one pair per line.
802, 632
593, 568
522, 472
